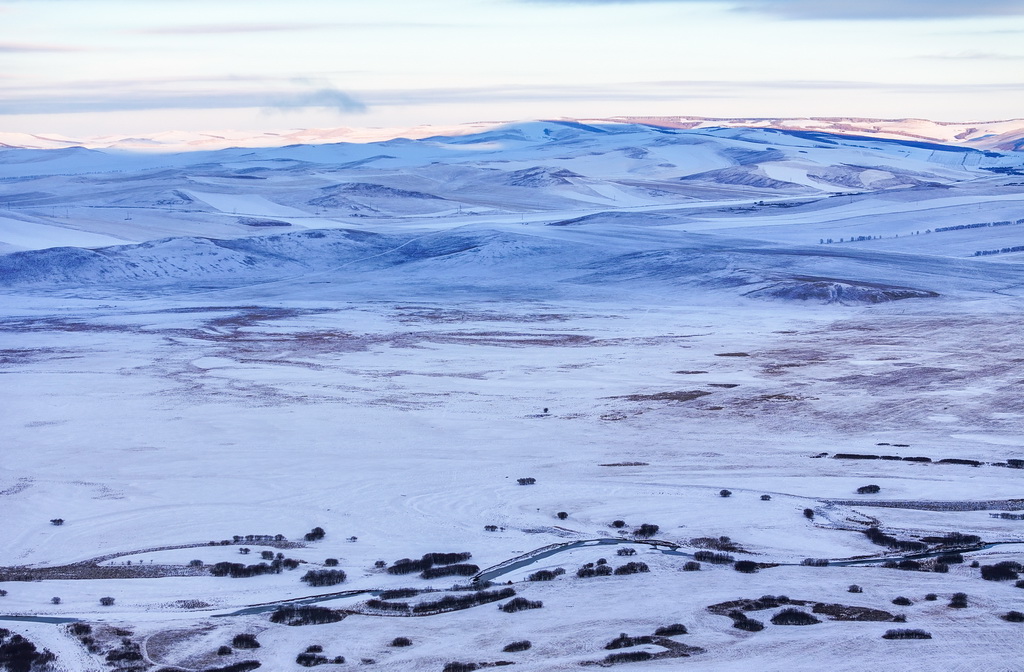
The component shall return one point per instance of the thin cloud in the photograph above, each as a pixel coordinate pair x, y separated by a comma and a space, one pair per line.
247, 28
228, 28
872, 10
973, 56
127, 100
23, 48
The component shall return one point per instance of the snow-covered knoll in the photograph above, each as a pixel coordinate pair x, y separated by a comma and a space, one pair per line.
531, 344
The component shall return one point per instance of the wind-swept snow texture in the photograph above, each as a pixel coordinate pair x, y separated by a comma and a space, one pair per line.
531, 348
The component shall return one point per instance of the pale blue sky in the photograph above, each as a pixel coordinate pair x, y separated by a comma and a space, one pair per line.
87, 67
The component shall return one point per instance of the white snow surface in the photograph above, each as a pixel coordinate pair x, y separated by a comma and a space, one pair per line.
381, 338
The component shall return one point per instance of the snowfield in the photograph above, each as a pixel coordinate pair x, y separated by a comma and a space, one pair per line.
556, 347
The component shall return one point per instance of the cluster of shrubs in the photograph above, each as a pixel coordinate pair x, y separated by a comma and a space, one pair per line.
1001, 250
902, 601
83, 631
324, 577
719, 544
625, 551
814, 562
453, 603
460, 667
882, 539
312, 657
1013, 617
958, 601
399, 593
449, 570
244, 666
691, 566
316, 534
255, 538
401, 642
624, 641
646, 531
384, 605
526, 481
858, 456
305, 615
237, 570
906, 565
602, 568
245, 641
713, 558
954, 539
868, 489
906, 634
740, 621
793, 616
520, 604
627, 657
746, 566
128, 652
546, 574
1001, 571
632, 568
671, 630
18, 653
428, 561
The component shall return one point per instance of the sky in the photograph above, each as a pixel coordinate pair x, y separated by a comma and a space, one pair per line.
122, 67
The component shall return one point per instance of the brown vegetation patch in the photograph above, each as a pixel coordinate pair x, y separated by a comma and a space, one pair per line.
688, 395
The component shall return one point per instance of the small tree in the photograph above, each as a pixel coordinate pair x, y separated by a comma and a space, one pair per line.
401, 641
316, 534
958, 601
331, 562
766, 498
57, 521
724, 493
809, 514
107, 601
745, 566
54, 600
562, 515
854, 588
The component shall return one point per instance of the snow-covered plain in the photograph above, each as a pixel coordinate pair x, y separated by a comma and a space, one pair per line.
380, 339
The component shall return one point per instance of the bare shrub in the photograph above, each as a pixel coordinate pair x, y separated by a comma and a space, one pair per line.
514, 647
671, 630
520, 604
794, 617
245, 641
958, 601
906, 634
